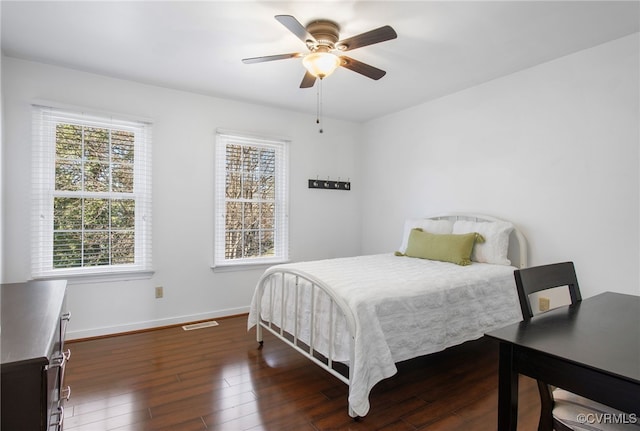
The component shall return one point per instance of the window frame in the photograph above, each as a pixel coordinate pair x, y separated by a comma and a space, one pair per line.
281, 199
45, 120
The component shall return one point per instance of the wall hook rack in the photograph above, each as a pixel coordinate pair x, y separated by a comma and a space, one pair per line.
329, 184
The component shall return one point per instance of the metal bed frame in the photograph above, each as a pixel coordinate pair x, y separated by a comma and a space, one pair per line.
517, 253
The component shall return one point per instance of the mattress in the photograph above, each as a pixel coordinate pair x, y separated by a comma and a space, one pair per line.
404, 307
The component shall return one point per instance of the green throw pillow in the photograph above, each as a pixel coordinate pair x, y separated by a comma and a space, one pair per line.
454, 248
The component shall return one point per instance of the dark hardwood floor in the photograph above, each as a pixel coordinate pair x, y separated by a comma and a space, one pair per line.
217, 378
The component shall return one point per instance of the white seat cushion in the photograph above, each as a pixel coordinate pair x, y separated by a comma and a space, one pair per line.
583, 414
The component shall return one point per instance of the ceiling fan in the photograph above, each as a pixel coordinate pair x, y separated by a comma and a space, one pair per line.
322, 38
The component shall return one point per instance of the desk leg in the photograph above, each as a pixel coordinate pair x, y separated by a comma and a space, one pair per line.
507, 390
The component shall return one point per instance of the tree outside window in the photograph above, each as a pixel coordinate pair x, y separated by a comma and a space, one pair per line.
93, 191
250, 200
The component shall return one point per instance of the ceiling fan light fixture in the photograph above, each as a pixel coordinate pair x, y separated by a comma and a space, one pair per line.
321, 64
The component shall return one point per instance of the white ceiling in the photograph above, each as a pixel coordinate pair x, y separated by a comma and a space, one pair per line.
442, 46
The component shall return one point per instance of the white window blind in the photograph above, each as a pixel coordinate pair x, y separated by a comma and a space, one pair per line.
91, 194
251, 200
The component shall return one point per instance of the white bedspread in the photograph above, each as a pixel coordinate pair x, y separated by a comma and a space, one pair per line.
404, 308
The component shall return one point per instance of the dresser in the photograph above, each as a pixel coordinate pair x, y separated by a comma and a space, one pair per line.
34, 322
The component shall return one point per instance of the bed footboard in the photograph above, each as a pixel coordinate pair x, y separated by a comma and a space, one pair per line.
292, 293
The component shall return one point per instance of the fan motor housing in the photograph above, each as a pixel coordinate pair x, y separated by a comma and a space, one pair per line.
326, 32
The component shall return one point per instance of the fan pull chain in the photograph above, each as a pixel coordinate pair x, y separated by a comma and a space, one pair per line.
319, 106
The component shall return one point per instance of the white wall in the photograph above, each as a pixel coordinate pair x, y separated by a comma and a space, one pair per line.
553, 148
1, 158
323, 223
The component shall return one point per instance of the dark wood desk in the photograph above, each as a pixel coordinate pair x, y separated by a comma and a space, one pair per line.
591, 348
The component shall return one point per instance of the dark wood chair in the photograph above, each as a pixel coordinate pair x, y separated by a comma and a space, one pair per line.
560, 409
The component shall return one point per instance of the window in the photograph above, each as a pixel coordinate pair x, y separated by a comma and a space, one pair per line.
92, 195
250, 200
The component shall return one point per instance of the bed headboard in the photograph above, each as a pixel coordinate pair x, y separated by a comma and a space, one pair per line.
517, 242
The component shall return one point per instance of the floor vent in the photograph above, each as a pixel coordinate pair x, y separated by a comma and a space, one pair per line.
200, 325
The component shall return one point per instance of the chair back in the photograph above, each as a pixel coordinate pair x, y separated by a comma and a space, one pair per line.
538, 278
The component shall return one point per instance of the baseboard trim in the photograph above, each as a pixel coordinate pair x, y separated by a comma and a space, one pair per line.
151, 325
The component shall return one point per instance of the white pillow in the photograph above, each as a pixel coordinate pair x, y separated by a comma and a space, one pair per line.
427, 225
496, 240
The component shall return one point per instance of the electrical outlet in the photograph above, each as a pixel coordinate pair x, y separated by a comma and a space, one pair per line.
159, 292
544, 303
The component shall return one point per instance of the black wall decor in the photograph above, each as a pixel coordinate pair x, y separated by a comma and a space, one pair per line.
329, 184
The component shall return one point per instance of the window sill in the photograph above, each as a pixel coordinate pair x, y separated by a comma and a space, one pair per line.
100, 277
246, 266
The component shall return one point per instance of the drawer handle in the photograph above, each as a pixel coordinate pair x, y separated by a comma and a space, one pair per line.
66, 316
66, 393
60, 361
